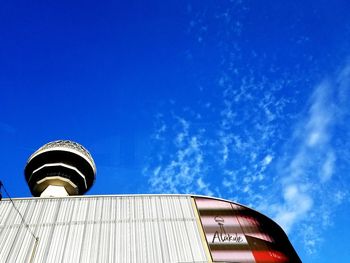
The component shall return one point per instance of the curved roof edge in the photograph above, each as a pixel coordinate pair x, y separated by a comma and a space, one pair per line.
140, 195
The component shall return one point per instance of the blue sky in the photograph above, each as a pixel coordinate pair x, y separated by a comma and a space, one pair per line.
244, 100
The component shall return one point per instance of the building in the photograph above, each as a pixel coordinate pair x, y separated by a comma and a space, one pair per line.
63, 226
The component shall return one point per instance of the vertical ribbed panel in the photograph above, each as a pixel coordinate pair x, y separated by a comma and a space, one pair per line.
101, 229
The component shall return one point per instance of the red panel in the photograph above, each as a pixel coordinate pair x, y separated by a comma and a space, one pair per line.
269, 256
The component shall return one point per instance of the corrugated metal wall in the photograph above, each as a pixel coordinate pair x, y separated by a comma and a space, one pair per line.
101, 229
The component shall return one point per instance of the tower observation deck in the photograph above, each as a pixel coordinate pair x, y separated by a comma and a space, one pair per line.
60, 168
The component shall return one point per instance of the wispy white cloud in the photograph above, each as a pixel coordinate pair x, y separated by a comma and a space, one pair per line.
321, 116
328, 167
308, 172
267, 160
182, 170
296, 204
248, 135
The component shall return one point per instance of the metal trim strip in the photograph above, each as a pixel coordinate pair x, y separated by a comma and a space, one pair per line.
201, 231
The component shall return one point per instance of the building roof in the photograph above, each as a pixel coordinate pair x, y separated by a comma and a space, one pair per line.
141, 228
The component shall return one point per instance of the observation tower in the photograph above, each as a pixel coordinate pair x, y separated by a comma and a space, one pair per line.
60, 168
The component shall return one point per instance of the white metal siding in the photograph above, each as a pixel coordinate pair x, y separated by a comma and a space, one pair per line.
101, 229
